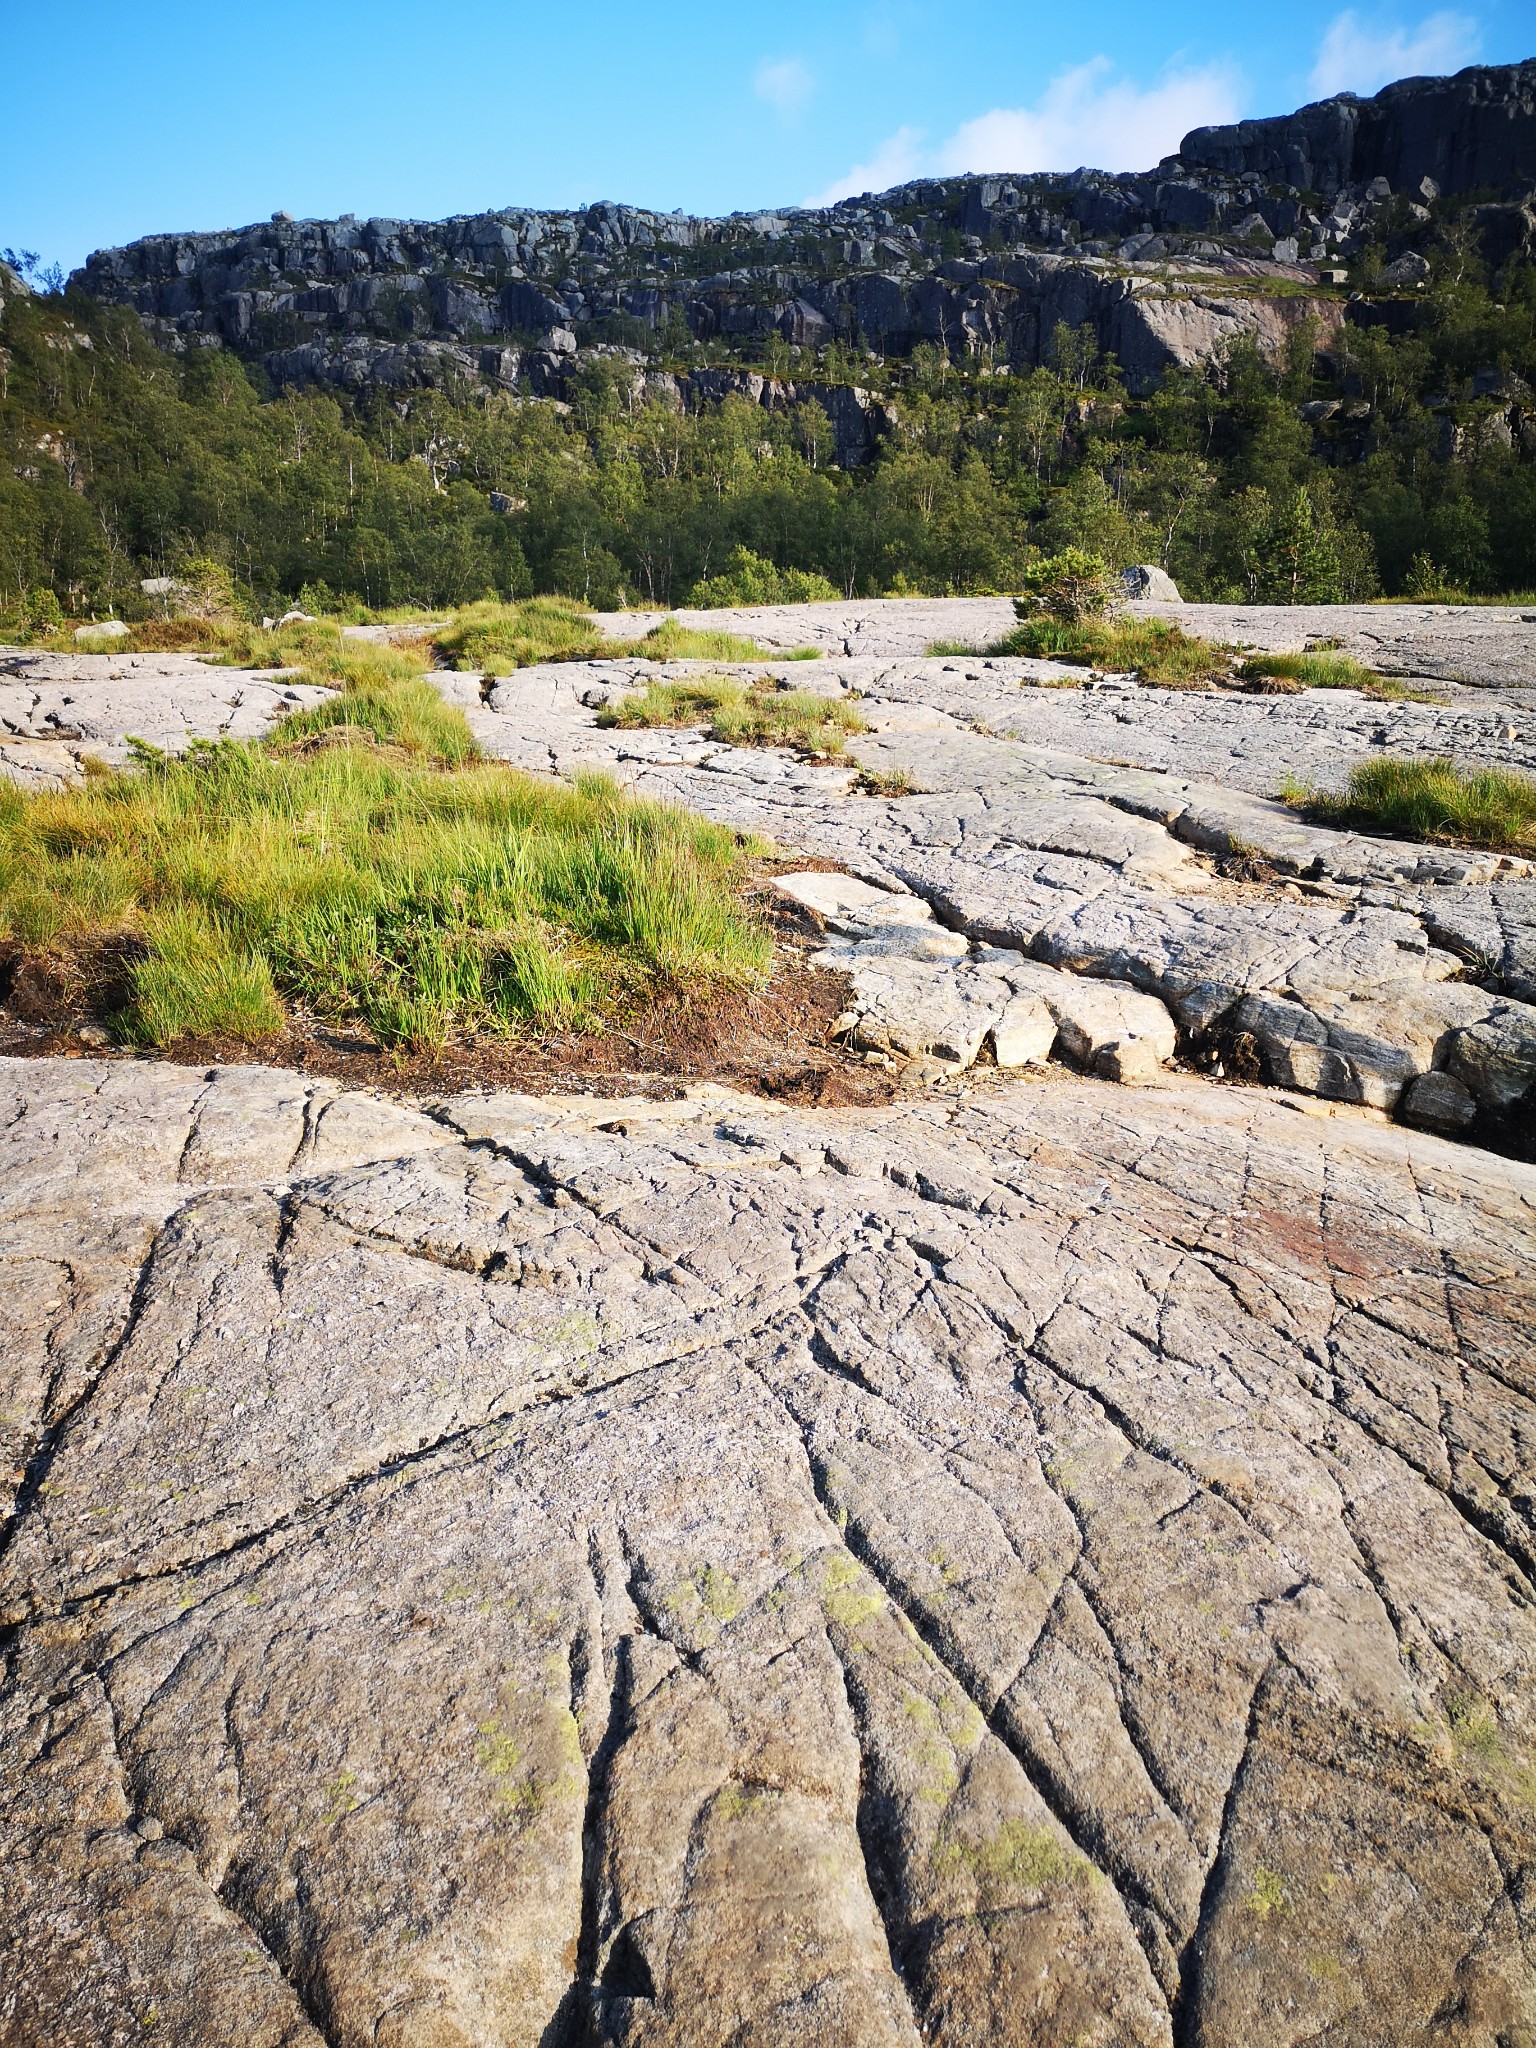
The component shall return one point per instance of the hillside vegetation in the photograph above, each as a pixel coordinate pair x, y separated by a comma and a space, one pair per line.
1397, 463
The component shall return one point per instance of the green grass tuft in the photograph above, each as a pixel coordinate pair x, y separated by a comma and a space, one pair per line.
359, 883
742, 715
495, 638
1433, 800
1148, 648
1322, 669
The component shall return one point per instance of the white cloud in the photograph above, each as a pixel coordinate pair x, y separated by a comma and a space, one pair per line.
785, 83
1360, 56
897, 159
1085, 116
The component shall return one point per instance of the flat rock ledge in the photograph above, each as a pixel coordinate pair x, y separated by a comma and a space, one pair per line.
1040, 1563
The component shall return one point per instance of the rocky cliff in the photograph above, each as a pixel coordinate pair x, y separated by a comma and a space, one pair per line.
1223, 239
1471, 133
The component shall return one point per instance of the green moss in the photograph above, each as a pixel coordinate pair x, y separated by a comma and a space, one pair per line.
847, 1594
718, 1592
1019, 1858
340, 1797
1268, 1893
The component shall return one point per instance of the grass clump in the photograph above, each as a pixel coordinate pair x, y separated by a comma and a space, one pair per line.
742, 715
381, 693
671, 641
495, 638
1432, 800
203, 895
1323, 669
1147, 648
888, 782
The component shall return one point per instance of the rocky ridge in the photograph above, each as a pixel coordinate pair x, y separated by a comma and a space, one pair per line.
1219, 241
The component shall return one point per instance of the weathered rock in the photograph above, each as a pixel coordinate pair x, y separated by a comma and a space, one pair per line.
1439, 1102
105, 629
1474, 130
1218, 231
1024, 1034
1008, 1569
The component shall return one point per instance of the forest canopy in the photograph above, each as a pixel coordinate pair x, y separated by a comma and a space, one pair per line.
1394, 463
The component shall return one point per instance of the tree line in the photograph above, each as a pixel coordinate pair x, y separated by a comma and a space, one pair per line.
1397, 462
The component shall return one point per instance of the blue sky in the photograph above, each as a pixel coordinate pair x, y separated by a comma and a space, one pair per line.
174, 114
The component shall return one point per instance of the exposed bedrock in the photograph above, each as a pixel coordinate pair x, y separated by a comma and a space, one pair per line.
1050, 1565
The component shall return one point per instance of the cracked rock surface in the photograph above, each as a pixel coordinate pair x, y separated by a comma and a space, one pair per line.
1039, 1563
59, 710
1151, 897
1484, 645
1036, 1564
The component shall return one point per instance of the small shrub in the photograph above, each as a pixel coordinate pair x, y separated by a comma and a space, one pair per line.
750, 579
1070, 588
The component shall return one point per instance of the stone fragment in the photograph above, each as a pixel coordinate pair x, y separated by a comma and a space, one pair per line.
1131, 1061
1497, 1057
1024, 1034
1438, 1102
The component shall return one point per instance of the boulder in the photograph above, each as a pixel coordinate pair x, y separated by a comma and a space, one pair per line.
1408, 269
107, 629
1149, 580
1438, 1102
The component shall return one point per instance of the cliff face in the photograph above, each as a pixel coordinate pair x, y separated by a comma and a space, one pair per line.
1469, 133
1163, 268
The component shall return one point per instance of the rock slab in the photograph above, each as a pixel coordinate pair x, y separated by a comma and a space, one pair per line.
1035, 1565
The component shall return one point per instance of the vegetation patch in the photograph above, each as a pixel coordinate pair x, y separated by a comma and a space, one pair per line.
1146, 648
750, 578
360, 863
671, 641
1017, 1859
494, 639
743, 715
1323, 669
1433, 800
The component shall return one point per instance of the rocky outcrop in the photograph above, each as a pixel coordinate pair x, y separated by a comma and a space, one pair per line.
1042, 1561
1470, 133
1164, 268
